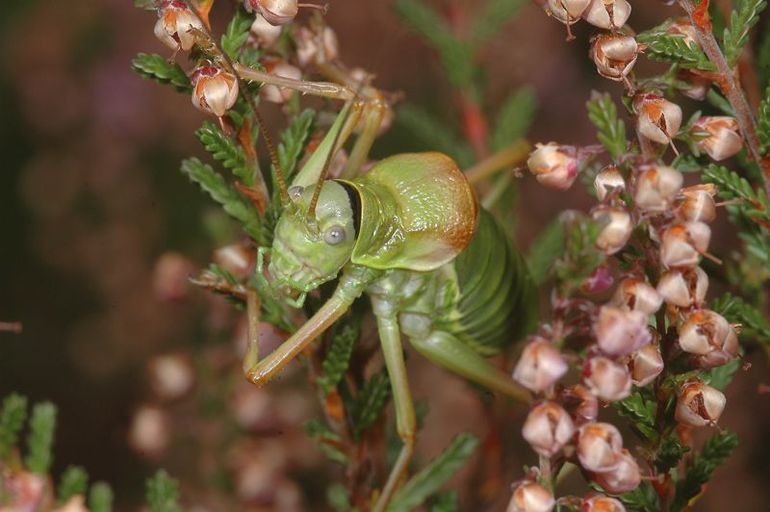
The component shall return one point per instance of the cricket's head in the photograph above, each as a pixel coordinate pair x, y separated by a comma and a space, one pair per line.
309, 250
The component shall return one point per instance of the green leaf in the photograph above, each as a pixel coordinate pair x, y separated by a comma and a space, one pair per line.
74, 482
293, 141
743, 18
338, 498
738, 311
514, 118
162, 493
337, 358
721, 376
12, 417
432, 477
491, 19
673, 48
434, 134
446, 502
42, 425
763, 120
232, 202
155, 67
670, 452
456, 56
545, 250
236, 33
698, 472
100, 498
642, 499
328, 440
370, 402
640, 409
226, 151
612, 131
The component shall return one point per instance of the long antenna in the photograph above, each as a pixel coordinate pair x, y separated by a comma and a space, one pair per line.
280, 178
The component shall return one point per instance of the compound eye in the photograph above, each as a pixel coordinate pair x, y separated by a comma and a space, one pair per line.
295, 192
334, 235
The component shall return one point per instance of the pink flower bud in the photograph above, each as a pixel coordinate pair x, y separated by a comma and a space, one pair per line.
530, 496
598, 447
567, 11
171, 276
697, 203
656, 188
657, 118
265, 33
23, 491
608, 14
581, 403
236, 259
718, 136
171, 376
683, 244
277, 12
214, 90
608, 180
616, 230
608, 380
645, 364
708, 335
175, 20
637, 295
548, 428
273, 93
313, 47
693, 86
624, 477
614, 55
539, 366
619, 332
699, 405
553, 165
685, 288
599, 281
599, 503
150, 431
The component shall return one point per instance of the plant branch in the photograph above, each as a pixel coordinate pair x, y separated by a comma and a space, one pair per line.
729, 85
507, 157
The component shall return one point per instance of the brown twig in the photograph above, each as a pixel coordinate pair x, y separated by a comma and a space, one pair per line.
727, 81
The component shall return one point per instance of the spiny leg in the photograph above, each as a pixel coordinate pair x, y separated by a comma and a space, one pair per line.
446, 350
387, 325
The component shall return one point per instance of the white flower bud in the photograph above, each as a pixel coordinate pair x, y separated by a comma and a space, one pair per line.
616, 230
657, 118
685, 288
277, 12
273, 93
553, 165
645, 364
710, 336
697, 203
530, 496
313, 47
567, 11
638, 295
265, 33
683, 244
608, 14
608, 180
699, 405
214, 90
718, 136
74, 504
236, 259
539, 366
171, 376
656, 188
582, 404
614, 55
624, 477
150, 431
619, 332
599, 503
608, 380
175, 20
548, 428
598, 447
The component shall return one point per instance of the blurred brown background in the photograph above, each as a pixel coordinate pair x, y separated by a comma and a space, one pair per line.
90, 196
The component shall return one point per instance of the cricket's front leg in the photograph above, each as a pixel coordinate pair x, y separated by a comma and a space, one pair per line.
387, 325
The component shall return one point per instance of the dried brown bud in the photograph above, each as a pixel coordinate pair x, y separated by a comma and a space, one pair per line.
624, 477
616, 230
548, 428
608, 180
581, 403
656, 188
637, 295
608, 14
608, 380
657, 118
273, 93
699, 405
709, 336
718, 136
598, 447
539, 366
614, 55
645, 364
553, 165
175, 21
685, 288
214, 90
599, 503
697, 203
619, 332
683, 244
530, 496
